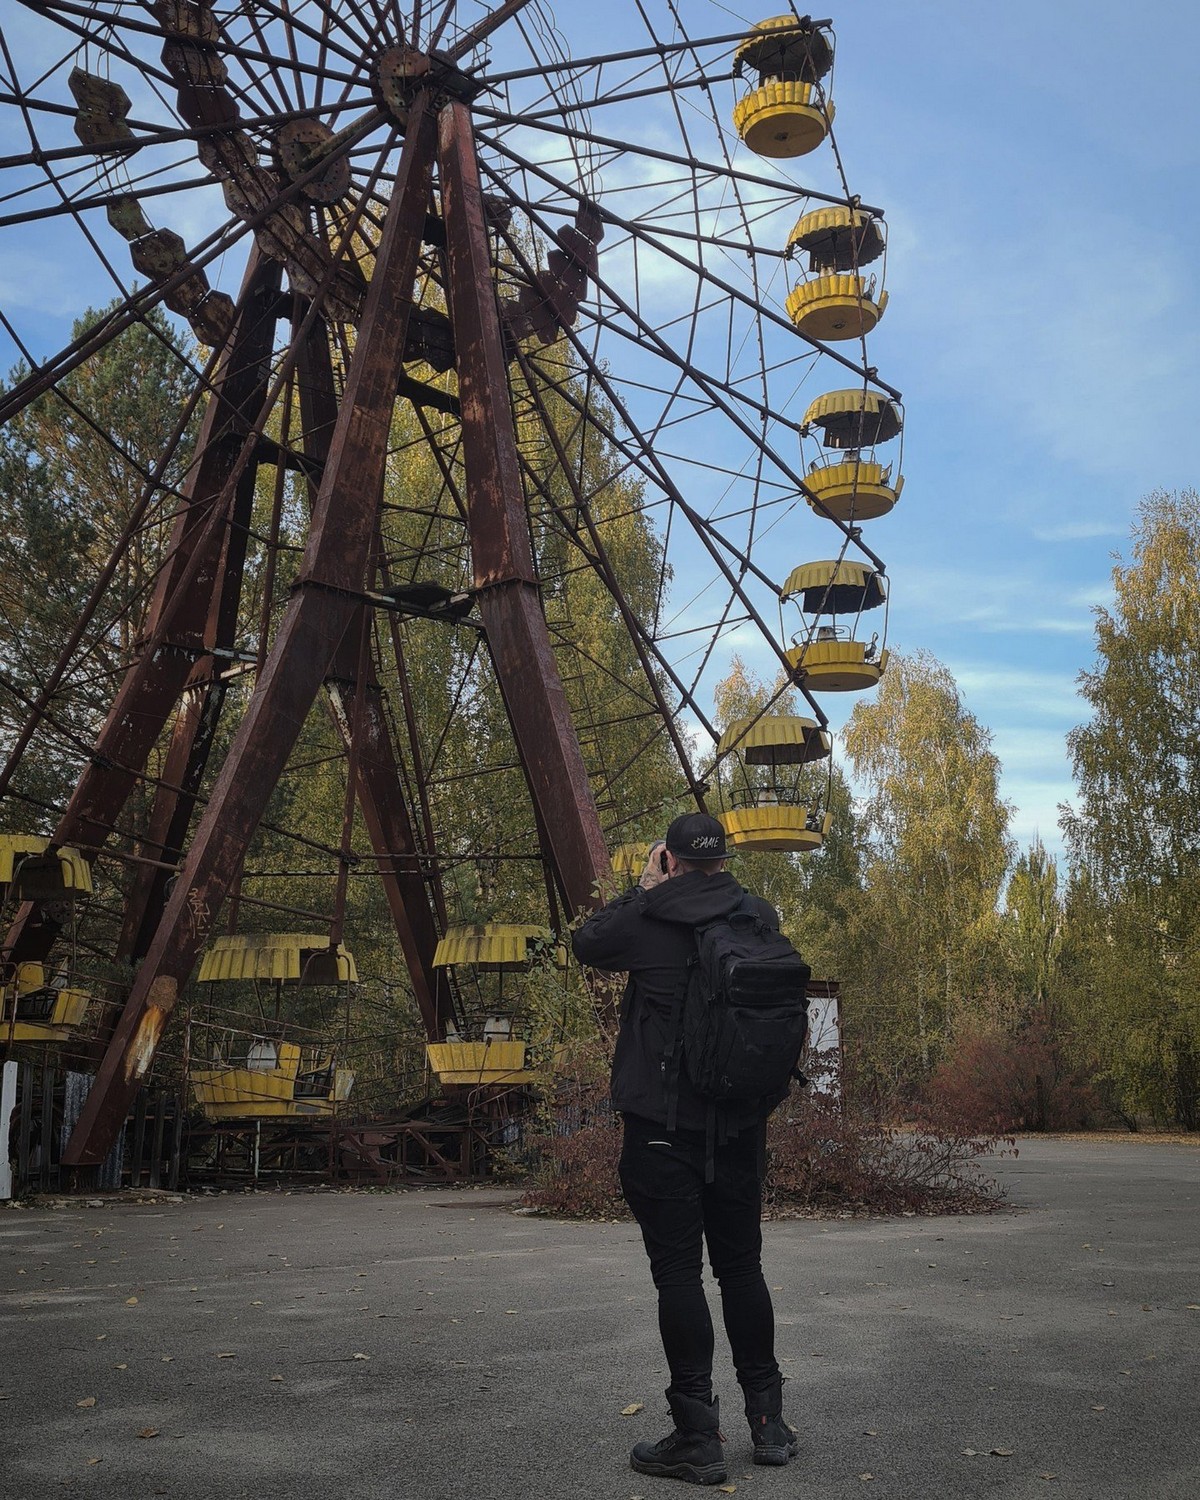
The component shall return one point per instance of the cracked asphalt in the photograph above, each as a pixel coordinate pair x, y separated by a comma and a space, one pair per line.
433, 1345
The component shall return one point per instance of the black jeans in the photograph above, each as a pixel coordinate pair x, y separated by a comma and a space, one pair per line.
662, 1175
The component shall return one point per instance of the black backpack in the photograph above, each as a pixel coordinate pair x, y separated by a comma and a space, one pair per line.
744, 1013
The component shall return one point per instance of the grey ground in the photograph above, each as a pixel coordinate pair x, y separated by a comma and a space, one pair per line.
500, 1350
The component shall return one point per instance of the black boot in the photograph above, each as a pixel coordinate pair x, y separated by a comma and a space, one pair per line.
774, 1441
692, 1451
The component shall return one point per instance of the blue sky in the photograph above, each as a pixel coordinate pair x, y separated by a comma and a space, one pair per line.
1037, 166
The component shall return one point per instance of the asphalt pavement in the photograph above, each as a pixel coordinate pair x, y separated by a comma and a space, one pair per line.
433, 1345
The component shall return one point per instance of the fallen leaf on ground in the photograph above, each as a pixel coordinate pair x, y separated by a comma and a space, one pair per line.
969, 1452
1097, 1408
276, 1377
95, 1460
148, 1432
120, 1367
361, 1356
1047, 1476
633, 1408
87, 1401
1001, 1452
728, 1489
229, 1354
130, 1301
866, 1477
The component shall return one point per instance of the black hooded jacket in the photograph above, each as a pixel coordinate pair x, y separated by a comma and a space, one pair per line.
652, 935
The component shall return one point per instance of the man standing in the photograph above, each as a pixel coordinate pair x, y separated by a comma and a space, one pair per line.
690, 1172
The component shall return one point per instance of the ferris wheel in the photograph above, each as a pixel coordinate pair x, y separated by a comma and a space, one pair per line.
527, 384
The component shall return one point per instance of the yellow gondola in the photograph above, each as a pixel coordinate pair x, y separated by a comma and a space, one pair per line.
787, 114
833, 660
35, 1009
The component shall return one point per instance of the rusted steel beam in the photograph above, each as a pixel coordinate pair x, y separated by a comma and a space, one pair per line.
196, 722
357, 705
324, 603
508, 600
154, 682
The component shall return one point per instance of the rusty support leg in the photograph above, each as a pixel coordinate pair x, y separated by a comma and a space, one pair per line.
316, 619
153, 684
359, 704
509, 602
379, 787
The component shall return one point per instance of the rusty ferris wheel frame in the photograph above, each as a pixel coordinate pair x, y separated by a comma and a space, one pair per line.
373, 161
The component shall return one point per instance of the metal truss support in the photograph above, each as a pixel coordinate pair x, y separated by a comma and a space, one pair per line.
508, 598
326, 599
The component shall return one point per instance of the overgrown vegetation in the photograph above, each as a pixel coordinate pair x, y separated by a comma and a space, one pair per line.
828, 1152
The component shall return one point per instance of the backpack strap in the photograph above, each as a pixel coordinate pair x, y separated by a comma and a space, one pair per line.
673, 1056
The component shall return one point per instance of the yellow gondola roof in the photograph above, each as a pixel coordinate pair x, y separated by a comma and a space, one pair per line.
780, 45
842, 237
775, 739
288, 956
835, 588
489, 945
73, 875
854, 418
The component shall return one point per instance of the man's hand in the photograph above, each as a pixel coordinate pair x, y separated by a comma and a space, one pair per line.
654, 874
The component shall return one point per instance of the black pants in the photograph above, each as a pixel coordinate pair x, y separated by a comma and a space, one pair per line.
662, 1175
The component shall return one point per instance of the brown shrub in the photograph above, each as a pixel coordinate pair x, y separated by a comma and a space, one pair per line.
1015, 1081
824, 1155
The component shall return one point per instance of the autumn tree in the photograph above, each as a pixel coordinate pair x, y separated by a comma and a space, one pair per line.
74, 465
1134, 830
924, 940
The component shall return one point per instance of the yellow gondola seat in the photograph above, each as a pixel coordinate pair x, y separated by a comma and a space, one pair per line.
785, 47
853, 419
839, 666
836, 306
776, 827
471, 1064
36, 1009
857, 490
490, 945
783, 118
838, 238
775, 740
38, 872
300, 958
257, 1092
835, 588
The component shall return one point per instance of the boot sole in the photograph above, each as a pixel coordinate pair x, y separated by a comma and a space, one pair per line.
691, 1473
777, 1456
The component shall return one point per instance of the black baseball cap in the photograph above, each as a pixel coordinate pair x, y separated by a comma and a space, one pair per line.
697, 836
